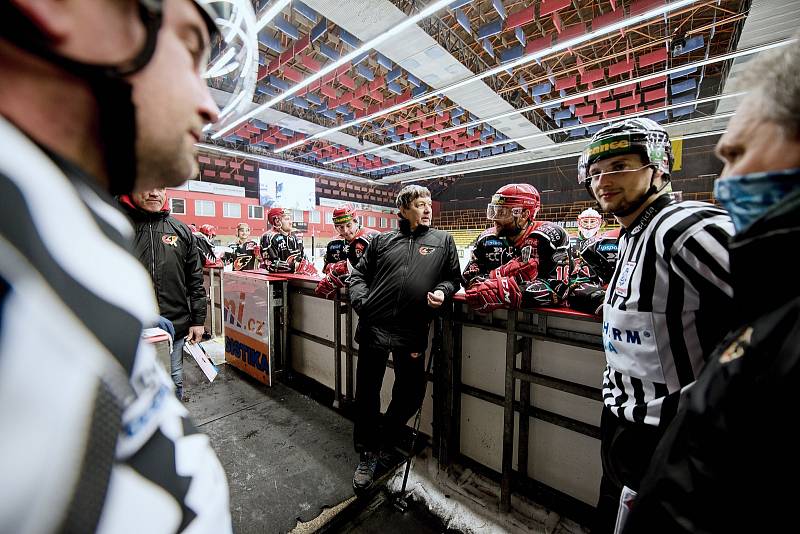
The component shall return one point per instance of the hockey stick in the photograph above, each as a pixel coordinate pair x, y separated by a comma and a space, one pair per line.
400, 502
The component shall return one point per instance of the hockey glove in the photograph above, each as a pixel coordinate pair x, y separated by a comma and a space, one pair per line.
306, 268
340, 268
488, 295
526, 270
329, 286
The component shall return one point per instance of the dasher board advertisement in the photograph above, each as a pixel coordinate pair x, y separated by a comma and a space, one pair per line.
245, 312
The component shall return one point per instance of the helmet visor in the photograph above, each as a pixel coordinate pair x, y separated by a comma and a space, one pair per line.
495, 212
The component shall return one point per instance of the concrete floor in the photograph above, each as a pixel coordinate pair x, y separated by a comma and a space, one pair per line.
288, 459
286, 456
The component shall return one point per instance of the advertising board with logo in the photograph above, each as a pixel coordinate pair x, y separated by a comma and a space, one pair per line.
246, 315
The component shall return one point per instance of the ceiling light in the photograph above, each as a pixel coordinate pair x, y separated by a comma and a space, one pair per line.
562, 130
559, 100
273, 11
553, 157
505, 66
394, 30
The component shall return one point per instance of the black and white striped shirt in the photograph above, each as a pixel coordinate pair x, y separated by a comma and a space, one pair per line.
93, 439
665, 306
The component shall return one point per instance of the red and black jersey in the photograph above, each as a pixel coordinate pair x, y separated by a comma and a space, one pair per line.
281, 252
243, 256
339, 250
543, 241
206, 249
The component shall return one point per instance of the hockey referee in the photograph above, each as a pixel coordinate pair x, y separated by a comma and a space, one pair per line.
661, 314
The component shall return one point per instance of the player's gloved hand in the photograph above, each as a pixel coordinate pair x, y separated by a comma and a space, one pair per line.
280, 266
340, 268
526, 270
328, 286
305, 267
499, 292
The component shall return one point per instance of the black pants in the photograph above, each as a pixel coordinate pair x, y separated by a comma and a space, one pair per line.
626, 450
373, 432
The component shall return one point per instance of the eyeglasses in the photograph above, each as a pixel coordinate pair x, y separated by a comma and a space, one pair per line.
597, 174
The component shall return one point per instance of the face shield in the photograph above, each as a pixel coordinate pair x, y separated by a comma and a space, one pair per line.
496, 212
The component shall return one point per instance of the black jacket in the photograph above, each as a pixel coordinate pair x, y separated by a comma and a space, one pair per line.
389, 286
728, 461
165, 246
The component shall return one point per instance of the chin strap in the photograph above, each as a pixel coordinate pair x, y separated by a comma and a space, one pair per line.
117, 113
652, 190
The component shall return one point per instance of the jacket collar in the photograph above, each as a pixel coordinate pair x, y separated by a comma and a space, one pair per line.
137, 213
777, 230
405, 228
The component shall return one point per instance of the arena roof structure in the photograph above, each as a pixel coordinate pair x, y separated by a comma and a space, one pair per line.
387, 91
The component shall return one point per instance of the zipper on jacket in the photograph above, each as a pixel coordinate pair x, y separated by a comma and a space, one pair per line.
405, 276
152, 252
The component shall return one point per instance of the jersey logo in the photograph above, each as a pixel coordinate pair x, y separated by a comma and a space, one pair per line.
736, 349
242, 263
426, 250
170, 240
624, 281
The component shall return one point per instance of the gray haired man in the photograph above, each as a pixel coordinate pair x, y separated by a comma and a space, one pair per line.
397, 286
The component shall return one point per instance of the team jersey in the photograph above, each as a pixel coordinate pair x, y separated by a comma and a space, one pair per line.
545, 242
281, 252
93, 438
243, 256
341, 250
665, 306
206, 249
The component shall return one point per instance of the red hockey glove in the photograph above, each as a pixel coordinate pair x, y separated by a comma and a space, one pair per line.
340, 268
527, 270
328, 287
489, 295
305, 267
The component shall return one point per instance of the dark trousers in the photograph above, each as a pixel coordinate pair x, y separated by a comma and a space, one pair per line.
371, 431
626, 450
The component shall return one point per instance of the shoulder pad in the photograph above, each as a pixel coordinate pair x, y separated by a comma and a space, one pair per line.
489, 232
336, 243
489, 238
553, 233
367, 232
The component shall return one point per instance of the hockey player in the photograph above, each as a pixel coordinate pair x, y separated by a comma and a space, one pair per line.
244, 252
344, 252
203, 238
590, 222
281, 249
590, 274
520, 262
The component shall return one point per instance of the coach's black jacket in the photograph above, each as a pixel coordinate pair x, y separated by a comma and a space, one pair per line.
728, 462
389, 286
165, 246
